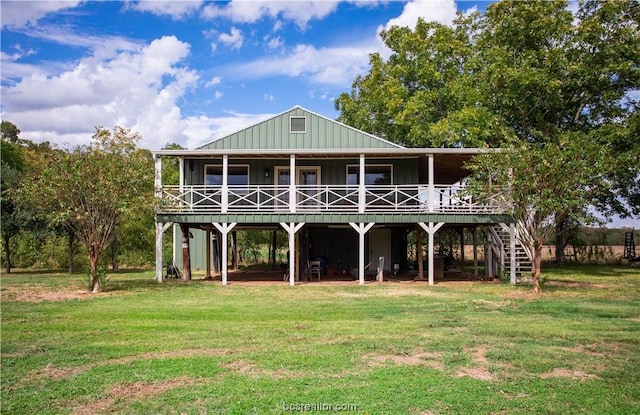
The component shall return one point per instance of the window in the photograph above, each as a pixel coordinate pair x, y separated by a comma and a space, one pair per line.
237, 176
298, 124
373, 175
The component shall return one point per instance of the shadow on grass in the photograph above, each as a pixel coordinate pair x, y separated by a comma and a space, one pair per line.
64, 271
591, 270
145, 284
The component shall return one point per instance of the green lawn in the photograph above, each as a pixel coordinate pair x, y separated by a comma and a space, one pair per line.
392, 348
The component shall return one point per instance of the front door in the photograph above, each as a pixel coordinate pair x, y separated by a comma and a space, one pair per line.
307, 181
379, 246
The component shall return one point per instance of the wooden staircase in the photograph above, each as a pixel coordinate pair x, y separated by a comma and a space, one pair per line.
499, 237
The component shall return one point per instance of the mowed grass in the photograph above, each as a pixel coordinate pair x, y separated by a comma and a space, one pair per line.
391, 348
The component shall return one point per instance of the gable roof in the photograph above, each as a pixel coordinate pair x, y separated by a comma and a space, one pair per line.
319, 133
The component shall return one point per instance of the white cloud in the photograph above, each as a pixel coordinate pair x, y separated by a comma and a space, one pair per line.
102, 47
218, 95
177, 9
442, 11
214, 81
23, 13
268, 97
300, 12
135, 89
19, 53
333, 66
234, 39
274, 43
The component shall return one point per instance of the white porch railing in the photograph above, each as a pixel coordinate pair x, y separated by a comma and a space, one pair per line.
326, 199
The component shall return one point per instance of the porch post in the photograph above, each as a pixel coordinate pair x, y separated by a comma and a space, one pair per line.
157, 178
186, 252
177, 251
181, 181
224, 199
208, 249
419, 256
512, 253
160, 228
362, 190
291, 229
292, 185
462, 251
181, 173
431, 229
475, 251
362, 229
432, 192
224, 229
488, 259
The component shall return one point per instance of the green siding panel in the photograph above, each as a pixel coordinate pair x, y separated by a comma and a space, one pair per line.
321, 133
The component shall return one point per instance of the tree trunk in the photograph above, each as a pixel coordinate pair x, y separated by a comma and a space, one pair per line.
274, 248
186, 254
419, 253
94, 256
7, 252
71, 238
561, 242
235, 258
114, 256
216, 254
537, 263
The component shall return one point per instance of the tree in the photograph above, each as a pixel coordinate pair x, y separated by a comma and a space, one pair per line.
171, 166
527, 76
93, 188
535, 179
9, 132
12, 165
424, 94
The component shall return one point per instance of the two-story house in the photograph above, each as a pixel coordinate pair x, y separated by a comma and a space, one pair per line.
340, 194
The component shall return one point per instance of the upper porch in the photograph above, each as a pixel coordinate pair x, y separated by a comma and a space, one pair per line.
407, 199
341, 181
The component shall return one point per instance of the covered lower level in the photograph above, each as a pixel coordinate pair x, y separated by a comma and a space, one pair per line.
360, 242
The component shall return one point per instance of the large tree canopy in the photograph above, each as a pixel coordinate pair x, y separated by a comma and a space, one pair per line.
555, 88
424, 94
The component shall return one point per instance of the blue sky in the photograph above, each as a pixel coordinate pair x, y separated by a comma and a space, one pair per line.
186, 72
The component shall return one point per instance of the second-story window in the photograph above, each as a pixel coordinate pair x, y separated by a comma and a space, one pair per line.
237, 176
373, 175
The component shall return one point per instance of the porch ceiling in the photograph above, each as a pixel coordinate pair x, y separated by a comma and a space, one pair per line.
448, 162
449, 168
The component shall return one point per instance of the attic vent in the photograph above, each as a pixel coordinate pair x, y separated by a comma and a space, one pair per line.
298, 124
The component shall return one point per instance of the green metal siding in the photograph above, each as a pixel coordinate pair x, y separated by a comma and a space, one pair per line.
321, 133
332, 171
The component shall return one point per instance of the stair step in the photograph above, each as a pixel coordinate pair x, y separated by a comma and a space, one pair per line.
523, 265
